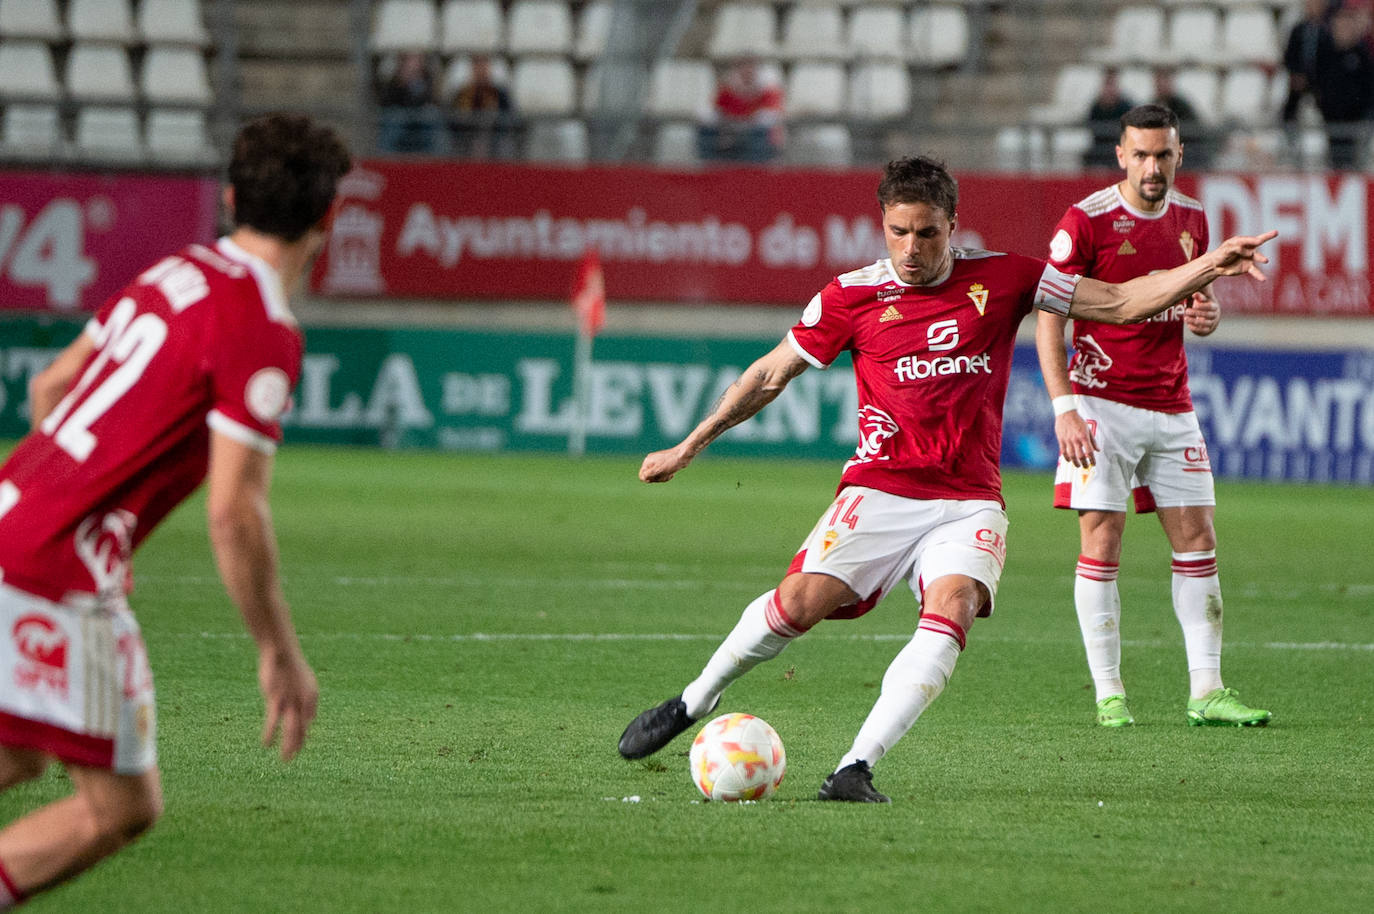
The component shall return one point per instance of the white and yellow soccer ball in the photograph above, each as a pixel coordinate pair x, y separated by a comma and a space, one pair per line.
737, 757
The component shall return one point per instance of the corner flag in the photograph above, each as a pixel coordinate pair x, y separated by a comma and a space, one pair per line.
589, 294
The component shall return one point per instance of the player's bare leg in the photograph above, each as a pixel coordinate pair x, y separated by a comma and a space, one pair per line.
55, 842
914, 679
766, 626
1198, 606
1098, 605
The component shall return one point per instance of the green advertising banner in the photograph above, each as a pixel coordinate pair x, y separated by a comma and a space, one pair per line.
473, 391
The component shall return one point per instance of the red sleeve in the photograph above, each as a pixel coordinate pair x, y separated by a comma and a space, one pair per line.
1071, 247
825, 329
256, 363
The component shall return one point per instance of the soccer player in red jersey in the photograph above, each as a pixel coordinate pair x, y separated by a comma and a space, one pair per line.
931, 330
183, 375
1124, 414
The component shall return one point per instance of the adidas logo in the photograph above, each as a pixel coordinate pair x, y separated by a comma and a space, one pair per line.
1126, 248
891, 314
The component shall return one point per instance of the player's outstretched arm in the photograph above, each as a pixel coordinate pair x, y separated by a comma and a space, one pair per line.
758, 386
245, 548
1075, 438
1144, 296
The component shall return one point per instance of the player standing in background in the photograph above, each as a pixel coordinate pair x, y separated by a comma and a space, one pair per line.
931, 330
1126, 394
182, 375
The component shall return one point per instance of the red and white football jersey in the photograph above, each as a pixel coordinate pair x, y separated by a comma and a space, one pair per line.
1102, 236
932, 365
201, 340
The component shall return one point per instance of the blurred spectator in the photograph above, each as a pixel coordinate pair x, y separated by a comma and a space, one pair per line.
1305, 40
481, 115
1344, 84
747, 124
1104, 120
1199, 141
409, 117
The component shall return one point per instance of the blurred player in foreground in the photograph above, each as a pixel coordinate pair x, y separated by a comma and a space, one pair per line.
182, 375
931, 330
1126, 395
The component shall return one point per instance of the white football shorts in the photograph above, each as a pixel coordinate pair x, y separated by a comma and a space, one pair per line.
76, 682
1164, 452
871, 540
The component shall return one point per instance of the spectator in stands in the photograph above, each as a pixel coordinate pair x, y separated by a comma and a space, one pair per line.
409, 116
1344, 84
1200, 142
747, 121
481, 113
1104, 120
1305, 40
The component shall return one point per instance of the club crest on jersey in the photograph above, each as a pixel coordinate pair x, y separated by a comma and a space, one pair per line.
1185, 241
978, 294
1123, 224
1126, 248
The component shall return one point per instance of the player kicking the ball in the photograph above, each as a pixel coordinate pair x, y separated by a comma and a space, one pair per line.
1126, 396
931, 331
182, 375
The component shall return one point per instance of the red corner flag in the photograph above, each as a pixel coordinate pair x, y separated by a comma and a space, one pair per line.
589, 293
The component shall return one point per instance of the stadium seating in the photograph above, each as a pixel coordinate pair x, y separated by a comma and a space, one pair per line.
35, 19
1194, 35
1075, 87
1249, 35
175, 75
108, 132
675, 143
543, 86
101, 20
681, 89
99, 73
593, 24
939, 36
811, 33
877, 33
820, 144
27, 71
1202, 87
539, 27
1137, 36
557, 141
179, 136
743, 30
172, 22
404, 25
880, 90
816, 89
28, 130
1245, 98
471, 27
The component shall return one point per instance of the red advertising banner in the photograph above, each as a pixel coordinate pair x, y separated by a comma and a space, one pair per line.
500, 231
69, 241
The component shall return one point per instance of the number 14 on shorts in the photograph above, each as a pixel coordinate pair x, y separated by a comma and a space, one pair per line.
846, 511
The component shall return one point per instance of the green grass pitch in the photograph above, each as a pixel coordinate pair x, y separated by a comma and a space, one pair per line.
484, 627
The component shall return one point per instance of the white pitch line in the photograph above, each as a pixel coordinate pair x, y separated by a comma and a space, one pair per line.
570, 637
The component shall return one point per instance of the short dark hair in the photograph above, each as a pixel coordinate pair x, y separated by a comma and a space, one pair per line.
284, 170
1149, 117
917, 179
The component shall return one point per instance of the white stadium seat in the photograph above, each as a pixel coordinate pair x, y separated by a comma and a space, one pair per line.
1245, 97
815, 89
1137, 36
100, 73
1249, 35
27, 71
743, 30
820, 144
939, 36
175, 75
472, 27
1137, 84
1067, 146
404, 25
542, 85
877, 32
880, 90
172, 22
179, 135
593, 25
813, 33
626, 77
101, 20
1201, 86
33, 129
1194, 35
539, 27
682, 89
1075, 87
557, 141
38, 19
675, 143
108, 133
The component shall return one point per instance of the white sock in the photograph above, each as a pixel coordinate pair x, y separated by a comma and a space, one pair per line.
1197, 604
914, 679
1098, 602
761, 633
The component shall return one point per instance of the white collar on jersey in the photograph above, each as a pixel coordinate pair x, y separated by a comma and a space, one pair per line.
1141, 213
892, 272
268, 280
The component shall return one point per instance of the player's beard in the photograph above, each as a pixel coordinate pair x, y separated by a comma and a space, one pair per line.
1153, 192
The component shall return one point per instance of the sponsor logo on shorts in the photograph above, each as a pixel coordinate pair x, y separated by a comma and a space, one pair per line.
993, 543
1196, 459
42, 648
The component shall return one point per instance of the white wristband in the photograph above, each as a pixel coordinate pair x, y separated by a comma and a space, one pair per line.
1065, 404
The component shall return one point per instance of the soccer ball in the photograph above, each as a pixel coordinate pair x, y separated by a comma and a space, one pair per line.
737, 757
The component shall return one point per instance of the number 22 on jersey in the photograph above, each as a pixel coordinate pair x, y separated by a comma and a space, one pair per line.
130, 343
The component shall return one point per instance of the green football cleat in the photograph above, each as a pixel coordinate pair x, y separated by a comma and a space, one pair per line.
1222, 708
1112, 712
